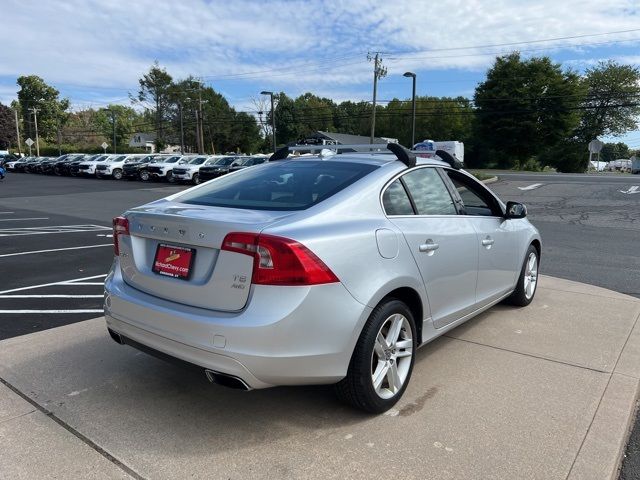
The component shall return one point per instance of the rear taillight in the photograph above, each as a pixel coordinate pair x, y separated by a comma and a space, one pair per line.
120, 227
278, 260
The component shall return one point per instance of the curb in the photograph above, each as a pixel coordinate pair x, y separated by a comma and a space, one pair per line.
490, 180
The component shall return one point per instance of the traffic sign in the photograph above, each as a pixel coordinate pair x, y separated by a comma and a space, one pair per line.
595, 146
29, 142
104, 145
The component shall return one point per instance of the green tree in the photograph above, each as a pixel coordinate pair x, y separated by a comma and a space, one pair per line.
437, 118
287, 128
614, 151
353, 118
524, 106
611, 105
51, 110
313, 113
156, 95
128, 122
8, 137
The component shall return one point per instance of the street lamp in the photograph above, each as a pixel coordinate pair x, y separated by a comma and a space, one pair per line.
273, 118
413, 101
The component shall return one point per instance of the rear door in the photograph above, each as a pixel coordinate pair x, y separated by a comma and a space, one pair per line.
443, 243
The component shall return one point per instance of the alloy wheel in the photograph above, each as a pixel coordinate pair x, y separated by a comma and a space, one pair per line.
391, 356
530, 275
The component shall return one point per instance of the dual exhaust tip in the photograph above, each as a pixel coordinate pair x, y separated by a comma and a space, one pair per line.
218, 378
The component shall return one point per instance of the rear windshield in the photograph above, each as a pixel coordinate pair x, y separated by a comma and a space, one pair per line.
287, 185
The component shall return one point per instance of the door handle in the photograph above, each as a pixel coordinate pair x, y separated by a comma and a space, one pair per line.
487, 242
429, 246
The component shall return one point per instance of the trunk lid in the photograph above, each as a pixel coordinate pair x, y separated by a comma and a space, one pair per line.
219, 280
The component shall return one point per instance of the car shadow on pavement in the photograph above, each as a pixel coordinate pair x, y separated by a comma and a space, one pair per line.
116, 395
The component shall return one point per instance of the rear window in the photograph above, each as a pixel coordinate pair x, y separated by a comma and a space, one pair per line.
288, 185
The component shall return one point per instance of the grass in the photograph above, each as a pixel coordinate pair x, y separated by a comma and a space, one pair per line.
481, 175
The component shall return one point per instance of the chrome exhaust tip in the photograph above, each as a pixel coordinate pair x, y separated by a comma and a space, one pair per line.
226, 380
116, 336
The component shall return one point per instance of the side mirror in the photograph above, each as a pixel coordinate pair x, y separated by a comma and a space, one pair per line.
515, 210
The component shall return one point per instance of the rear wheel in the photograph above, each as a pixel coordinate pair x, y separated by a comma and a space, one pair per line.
117, 174
382, 361
144, 176
527, 281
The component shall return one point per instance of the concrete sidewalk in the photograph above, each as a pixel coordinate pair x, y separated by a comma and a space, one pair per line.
544, 392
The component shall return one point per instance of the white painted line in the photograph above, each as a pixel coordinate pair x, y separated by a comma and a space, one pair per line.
530, 187
54, 311
51, 296
6, 213
631, 190
13, 232
51, 284
23, 219
56, 250
81, 283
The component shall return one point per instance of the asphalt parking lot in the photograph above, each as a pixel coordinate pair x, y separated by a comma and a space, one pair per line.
589, 226
56, 246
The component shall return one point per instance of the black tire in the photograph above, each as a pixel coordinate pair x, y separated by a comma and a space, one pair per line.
357, 388
117, 174
170, 178
144, 176
520, 297
195, 179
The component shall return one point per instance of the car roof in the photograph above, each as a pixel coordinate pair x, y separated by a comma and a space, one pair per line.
378, 159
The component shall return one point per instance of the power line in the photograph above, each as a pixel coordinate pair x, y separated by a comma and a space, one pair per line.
511, 44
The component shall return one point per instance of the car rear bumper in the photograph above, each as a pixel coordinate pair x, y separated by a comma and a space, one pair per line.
284, 336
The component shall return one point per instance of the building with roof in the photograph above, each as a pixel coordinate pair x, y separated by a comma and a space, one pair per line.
334, 138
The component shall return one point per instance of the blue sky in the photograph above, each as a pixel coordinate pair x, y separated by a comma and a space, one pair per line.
94, 51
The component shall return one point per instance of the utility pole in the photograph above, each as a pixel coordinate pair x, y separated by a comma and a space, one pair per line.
200, 121
378, 72
273, 118
58, 135
113, 121
18, 132
198, 132
35, 121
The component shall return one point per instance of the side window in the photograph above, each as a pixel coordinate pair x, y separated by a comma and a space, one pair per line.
396, 201
429, 193
475, 199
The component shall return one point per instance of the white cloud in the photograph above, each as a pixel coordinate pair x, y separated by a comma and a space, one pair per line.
110, 44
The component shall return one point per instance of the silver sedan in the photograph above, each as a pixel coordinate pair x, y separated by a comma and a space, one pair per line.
325, 269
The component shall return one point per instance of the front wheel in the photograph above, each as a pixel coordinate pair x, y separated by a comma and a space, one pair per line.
527, 281
170, 177
117, 174
195, 179
382, 361
144, 176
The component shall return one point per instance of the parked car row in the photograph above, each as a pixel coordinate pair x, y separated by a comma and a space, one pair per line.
170, 167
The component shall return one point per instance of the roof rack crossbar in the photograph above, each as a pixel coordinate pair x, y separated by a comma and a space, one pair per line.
405, 156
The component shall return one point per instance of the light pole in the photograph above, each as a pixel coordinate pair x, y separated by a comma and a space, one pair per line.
413, 101
181, 129
273, 118
34, 110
